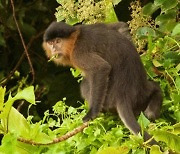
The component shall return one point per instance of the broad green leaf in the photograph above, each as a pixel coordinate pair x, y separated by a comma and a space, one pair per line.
110, 13
177, 115
159, 2
167, 26
176, 30
72, 21
143, 121
178, 67
115, 2
7, 107
114, 150
149, 9
177, 81
166, 4
177, 128
172, 140
37, 135
27, 94
42, 138
144, 32
2, 94
168, 17
156, 63
176, 97
17, 123
8, 144
169, 4
155, 149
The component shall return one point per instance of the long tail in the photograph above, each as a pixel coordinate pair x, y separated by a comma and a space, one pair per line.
127, 116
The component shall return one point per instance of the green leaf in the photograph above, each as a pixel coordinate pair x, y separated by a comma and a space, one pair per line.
2, 94
8, 144
7, 108
72, 21
177, 81
114, 150
176, 30
159, 2
178, 67
166, 4
167, 17
110, 13
176, 128
149, 9
27, 94
115, 2
143, 121
155, 149
169, 4
156, 63
177, 115
173, 141
17, 123
144, 32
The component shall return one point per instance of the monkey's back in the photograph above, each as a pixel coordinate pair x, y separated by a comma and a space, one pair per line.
127, 76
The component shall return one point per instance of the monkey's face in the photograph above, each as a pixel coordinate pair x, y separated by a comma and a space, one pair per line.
55, 47
55, 51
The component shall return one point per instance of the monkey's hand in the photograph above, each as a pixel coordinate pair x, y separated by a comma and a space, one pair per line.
90, 115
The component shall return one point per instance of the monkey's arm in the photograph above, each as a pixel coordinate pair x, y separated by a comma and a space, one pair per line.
97, 72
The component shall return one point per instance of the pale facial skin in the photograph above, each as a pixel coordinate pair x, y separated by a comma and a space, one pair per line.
56, 51
55, 47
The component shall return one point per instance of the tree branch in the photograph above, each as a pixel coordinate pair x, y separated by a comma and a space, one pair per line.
4, 81
23, 43
59, 139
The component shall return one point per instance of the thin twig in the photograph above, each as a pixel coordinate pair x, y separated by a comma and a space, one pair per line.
4, 81
59, 139
23, 43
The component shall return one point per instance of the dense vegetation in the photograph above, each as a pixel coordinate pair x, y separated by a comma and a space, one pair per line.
155, 30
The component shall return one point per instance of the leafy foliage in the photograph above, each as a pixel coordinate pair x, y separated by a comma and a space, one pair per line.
105, 134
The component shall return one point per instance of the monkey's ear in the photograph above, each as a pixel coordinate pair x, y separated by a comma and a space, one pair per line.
58, 30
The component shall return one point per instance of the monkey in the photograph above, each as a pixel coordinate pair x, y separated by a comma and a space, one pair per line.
114, 78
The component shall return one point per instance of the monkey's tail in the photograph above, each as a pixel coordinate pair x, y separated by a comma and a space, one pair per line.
127, 116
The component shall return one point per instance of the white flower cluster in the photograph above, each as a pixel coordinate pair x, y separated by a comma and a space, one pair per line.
86, 11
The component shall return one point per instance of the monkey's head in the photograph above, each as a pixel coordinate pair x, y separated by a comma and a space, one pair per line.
58, 42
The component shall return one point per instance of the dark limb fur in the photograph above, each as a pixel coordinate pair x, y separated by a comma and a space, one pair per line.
154, 102
96, 71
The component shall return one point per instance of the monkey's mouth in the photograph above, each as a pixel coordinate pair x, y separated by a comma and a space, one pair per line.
55, 57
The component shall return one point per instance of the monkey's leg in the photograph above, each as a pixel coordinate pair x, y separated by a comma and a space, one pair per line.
97, 72
85, 89
126, 114
155, 102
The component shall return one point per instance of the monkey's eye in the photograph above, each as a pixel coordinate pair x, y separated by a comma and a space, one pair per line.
57, 41
50, 42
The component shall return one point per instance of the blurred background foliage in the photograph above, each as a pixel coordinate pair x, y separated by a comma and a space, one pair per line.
155, 30
52, 82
